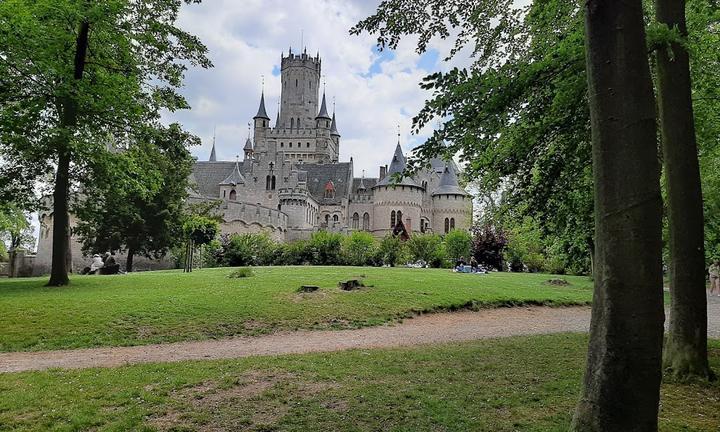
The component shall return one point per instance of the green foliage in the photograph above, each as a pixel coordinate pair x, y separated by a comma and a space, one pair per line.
297, 252
135, 200
458, 244
327, 248
15, 230
200, 230
359, 248
249, 249
428, 248
243, 272
526, 246
391, 251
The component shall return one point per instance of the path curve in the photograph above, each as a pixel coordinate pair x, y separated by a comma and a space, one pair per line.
425, 329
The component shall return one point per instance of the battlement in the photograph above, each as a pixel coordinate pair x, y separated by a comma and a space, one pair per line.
300, 60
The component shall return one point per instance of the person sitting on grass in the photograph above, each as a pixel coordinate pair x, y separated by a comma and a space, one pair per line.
473, 264
97, 264
111, 267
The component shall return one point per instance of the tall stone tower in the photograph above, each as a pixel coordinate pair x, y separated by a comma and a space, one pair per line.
300, 76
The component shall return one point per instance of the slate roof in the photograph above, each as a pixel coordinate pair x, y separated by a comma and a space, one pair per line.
235, 177
368, 182
262, 113
397, 165
323, 110
449, 183
333, 127
209, 175
319, 174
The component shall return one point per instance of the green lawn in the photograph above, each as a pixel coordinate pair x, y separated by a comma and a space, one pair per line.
145, 308
513, 384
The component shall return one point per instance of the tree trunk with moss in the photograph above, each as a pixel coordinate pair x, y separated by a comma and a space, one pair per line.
685, 351
622, 380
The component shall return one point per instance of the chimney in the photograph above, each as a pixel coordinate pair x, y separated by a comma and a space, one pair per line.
383, 171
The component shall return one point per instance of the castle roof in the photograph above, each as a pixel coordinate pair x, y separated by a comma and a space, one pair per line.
397, 166
248, 144
323, 110
363, 183
333, 127
449, 183
235, 177
318, 176
262, 113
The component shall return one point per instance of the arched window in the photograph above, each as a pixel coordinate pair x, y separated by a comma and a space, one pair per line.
452, 223
292, 125
366, 222
282, 144
356, 221
392, 219
224, 194
267, 183
298, 125
296, 82
399, 216
233, 195
272, 182
335, 218
327, 219
290, 145
308, 145
447, 225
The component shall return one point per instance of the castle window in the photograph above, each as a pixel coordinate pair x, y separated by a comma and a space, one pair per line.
290, 144
282, 144
392, 219
309, 84
272, 183
366, 222
308, 145
447, 225
356, 221
327, 219
233, 195
452, 223
298, 124
329, 189
335, 219
399, 216
296, 82
224, 194
267, 182
292, 124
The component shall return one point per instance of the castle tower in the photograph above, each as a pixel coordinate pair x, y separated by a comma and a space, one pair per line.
450, 204
300, 77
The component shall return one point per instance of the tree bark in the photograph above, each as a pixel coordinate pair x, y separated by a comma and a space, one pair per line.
61, 219
685, 351
622, 379
129, 260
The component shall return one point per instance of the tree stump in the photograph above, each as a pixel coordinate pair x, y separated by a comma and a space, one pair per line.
350, 285
308, 288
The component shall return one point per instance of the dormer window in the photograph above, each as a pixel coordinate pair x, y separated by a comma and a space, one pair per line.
329, 189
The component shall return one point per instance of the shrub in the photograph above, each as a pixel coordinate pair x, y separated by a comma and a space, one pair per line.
249, 249
488, 246
359, 248
242, 272
428, 248
391, 251
294, 253
326, 248
458, 244
525, 246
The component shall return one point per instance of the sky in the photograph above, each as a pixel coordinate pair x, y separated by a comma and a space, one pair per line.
374, 91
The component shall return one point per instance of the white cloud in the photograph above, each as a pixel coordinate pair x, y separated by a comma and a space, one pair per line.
246, 39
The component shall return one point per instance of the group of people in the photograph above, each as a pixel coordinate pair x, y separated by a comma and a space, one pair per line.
714, 271
104, 265
461, 266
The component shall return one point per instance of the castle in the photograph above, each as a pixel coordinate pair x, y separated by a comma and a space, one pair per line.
291, 182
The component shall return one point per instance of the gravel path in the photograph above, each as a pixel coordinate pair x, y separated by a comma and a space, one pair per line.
425, 329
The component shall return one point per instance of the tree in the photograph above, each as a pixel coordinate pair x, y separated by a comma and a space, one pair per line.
458, 244
391, 250
488, 246
136, 199
15, 231
198, 231
74, 73
685, 352
326, 247
359, 248
622, 379
428, 248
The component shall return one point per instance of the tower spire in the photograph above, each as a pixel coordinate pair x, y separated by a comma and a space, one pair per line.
213, 156
262, 113
323, 109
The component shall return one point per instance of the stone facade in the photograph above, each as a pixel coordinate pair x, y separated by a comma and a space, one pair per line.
292, 168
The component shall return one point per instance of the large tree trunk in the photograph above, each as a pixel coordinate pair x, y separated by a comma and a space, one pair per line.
129, 260
622, 380
68, 121
686, 347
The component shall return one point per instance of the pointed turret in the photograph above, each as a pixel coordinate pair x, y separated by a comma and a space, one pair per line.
449, 183
213, 156
235, 178
248, 149
262, 113
323, 114
333, 127
397, 166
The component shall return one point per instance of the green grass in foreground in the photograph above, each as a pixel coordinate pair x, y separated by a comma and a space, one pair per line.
154, 307
514, 384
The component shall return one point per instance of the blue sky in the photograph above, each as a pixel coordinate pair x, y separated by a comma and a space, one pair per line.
375, 91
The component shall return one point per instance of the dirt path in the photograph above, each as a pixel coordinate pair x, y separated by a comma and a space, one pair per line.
426, 329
